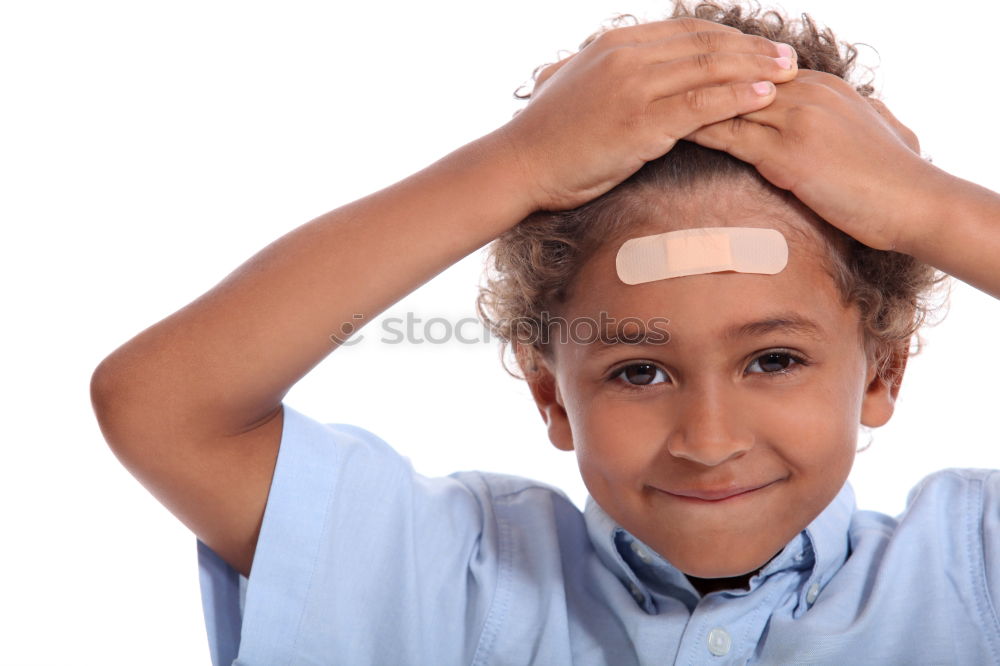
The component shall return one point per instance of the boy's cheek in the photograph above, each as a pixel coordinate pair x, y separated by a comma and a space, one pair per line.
602, 458
618, 445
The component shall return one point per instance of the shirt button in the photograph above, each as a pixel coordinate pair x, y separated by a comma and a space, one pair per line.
641, 553
812, 593
636, 592
800, 557
719, 641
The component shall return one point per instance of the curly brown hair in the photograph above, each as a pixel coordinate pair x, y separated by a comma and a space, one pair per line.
530, 269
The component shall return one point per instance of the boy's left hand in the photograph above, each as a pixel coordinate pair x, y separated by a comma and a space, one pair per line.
844, 156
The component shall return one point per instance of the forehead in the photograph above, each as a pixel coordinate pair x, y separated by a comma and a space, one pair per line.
712, 303
738, 202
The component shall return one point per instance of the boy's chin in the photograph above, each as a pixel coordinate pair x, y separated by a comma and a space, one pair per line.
721, 572
727, 565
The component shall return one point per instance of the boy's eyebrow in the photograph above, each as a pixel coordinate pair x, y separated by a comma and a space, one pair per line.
787, 322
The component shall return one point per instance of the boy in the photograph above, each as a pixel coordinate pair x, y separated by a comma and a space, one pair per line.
471, 547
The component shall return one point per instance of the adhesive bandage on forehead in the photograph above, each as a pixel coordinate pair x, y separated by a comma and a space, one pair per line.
701, 250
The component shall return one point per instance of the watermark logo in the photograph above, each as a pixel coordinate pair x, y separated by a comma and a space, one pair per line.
547, 329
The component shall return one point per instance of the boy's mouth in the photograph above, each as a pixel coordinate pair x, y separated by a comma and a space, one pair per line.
718, 494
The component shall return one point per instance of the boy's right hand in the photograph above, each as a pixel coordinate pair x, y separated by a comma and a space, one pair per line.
628, 96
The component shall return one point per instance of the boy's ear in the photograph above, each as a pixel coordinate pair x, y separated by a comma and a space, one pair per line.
545, 391
879, 400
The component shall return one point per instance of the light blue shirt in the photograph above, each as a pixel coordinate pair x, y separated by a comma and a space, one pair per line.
361, 560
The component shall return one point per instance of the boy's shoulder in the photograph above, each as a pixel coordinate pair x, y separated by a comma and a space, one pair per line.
956, 483
488, 487
941, 500
510, 487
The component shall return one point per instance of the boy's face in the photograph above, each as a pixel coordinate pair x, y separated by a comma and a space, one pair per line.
714, 409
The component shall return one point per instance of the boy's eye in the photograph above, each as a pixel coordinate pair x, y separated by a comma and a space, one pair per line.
771, 363
776, 362
642, 374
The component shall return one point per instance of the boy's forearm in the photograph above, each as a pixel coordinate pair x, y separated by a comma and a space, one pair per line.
962, 235
225, 361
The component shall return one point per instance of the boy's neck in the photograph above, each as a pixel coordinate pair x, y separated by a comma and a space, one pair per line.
706, 585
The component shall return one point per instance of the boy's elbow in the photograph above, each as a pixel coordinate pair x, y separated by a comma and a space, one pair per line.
107, 391
102, 385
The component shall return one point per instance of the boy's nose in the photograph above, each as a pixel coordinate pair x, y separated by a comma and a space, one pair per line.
708, 428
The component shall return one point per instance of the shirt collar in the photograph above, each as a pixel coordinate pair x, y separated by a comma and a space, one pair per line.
818, 551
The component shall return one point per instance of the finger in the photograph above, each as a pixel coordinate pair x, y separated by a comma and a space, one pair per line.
687, 112
684, 38
698, 33
705, 69
741, 138
654, 31
803, 91
711, 41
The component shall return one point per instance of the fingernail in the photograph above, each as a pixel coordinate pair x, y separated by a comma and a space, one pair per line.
784, 63
786, 51
763, 88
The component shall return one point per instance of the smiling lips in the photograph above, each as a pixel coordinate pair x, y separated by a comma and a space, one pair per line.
715, 494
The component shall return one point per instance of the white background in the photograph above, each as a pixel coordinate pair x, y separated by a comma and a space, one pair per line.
150, 148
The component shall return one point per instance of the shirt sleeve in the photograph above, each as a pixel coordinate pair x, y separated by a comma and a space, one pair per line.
359, 560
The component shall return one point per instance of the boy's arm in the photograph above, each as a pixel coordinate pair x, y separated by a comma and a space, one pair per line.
960, 233
192, 405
